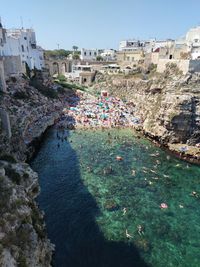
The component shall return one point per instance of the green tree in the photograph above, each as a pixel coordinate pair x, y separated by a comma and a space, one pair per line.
99, 58
57, 53
76, 56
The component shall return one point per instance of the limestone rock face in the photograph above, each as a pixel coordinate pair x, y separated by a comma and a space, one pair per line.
23, 240
31, 113
169, 106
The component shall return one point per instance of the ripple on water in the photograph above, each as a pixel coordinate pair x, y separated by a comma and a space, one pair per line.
85, 190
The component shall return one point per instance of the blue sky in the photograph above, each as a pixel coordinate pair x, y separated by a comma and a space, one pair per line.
100, 23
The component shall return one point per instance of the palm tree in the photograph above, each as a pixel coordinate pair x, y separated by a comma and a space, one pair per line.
75, 48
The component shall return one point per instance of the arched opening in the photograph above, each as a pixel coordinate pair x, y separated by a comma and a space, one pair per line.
55, 68
46, 66
70, 66
63, 68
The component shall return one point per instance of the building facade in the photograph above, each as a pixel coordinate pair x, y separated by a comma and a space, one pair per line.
108, 55
129, 58
19, 46
89, 54
192, 40
22, 42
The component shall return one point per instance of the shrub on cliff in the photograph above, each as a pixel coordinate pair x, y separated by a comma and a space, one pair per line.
72, 86
46, 91
57, 53
61, 78
172, 69
20, 95
13, 175
8, 157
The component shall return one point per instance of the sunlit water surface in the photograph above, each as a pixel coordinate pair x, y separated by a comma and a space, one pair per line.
84, 191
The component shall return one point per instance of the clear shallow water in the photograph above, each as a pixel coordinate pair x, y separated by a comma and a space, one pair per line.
84, 191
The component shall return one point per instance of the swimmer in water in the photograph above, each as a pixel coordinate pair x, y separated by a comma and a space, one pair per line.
194, 194
124, 211
140, 230
128, 235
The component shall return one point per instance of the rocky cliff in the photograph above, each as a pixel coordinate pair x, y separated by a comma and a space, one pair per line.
30, 112
32, 108
23, 240
168, 105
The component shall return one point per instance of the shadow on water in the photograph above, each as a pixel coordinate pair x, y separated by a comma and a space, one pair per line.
71, 212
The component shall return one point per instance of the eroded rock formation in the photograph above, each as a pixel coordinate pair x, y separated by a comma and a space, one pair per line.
23, 241
169, 106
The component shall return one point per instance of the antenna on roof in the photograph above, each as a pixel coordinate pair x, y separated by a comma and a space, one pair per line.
0, 23
22, 24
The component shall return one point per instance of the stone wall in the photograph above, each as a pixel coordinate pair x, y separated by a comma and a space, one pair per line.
194, 66
129, 57
23, 236
5, 121
2, 76
13, 66
151, 58
168, 105
86, 78
58, 66
183, 65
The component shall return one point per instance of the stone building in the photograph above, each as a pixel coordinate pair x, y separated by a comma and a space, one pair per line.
83, 74
21, 44
108, 55
89, 54
192, 40
145, 45
130, 45
129, 58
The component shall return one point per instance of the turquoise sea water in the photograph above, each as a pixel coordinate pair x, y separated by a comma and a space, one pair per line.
92, 201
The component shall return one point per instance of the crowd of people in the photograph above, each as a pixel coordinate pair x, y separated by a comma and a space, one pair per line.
89, 111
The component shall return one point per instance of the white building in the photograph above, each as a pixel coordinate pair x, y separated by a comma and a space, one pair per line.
108, 55
192, 40
21, 43
83, 74
147, 46
89, 54
2, 38
130, 45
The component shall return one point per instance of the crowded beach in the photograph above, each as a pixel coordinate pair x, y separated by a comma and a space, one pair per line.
84, 110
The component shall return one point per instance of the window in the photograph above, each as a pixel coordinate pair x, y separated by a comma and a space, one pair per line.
22, 48
90, 53
85, 53
95, 53
25, 38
